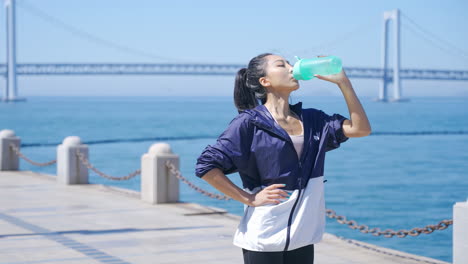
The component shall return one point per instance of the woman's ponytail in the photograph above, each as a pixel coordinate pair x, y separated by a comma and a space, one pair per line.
247, 88
244, 97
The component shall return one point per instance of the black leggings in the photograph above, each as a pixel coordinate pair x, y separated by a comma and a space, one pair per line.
303, 255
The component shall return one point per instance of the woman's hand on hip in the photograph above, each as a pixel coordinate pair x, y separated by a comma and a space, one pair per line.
268, 195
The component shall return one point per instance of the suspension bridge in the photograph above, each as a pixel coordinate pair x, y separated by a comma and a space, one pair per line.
384, 74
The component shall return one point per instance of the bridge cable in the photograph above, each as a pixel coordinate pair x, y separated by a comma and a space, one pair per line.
434, 37
83, 34
429, 41
329, 46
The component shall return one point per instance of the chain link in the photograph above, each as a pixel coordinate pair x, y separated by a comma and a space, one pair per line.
384, 251
85, 162
389, 232
172, 168
21, 155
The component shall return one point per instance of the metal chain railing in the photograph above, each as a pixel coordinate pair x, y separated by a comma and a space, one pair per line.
387, 252
389, 232
21, 155
331, 214
174, 171
85, 162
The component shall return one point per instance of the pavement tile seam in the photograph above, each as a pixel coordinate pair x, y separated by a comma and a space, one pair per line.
67, 242
96, 212
181, 231
50, 260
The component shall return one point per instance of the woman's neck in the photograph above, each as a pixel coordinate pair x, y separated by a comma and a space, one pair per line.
278, 105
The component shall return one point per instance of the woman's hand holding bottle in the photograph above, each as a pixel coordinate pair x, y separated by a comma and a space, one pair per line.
338, 78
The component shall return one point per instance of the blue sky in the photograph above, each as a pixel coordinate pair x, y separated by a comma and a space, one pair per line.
231, 32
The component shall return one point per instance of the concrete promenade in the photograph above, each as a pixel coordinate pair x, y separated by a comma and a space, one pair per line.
42, 221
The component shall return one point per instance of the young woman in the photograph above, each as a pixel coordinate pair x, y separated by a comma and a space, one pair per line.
279, 151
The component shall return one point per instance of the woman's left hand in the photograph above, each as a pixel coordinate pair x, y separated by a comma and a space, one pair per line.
338, 78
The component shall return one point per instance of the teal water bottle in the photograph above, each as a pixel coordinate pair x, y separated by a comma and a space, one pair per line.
304, 69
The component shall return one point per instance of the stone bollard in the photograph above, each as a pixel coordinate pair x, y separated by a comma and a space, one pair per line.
9, 161
460, 233
157, 184
70, 170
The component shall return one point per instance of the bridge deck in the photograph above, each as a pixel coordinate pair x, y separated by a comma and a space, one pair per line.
211, 69
42, 221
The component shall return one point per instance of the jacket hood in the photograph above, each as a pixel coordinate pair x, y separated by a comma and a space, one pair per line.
262, 117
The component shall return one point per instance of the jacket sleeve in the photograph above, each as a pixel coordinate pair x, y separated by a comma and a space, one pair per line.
335, 135
231, 151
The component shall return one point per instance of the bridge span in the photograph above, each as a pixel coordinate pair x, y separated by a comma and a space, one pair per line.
210, 69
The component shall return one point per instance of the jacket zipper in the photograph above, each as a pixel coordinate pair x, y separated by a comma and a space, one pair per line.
288, 232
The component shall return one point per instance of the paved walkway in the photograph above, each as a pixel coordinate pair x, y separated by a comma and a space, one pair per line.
42, 221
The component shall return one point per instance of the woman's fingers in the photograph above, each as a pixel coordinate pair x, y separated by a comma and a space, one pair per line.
277, 196
273, 194
278, 191
275, 189
319, 76
323, 78
275, 186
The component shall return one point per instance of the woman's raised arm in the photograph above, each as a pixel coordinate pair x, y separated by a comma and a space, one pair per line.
359, 125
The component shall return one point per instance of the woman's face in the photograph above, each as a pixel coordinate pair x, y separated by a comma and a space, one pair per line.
278, 75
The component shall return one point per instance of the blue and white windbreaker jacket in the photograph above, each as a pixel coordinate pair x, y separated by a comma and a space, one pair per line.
261, 151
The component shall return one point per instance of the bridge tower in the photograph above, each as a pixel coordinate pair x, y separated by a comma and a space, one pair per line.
11, 92
386, 79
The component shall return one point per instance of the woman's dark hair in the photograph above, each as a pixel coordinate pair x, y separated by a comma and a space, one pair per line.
247, 88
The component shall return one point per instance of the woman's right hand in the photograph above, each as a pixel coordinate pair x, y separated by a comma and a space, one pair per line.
268, 195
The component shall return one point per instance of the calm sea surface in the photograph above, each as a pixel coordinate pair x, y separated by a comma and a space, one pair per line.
387, 181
